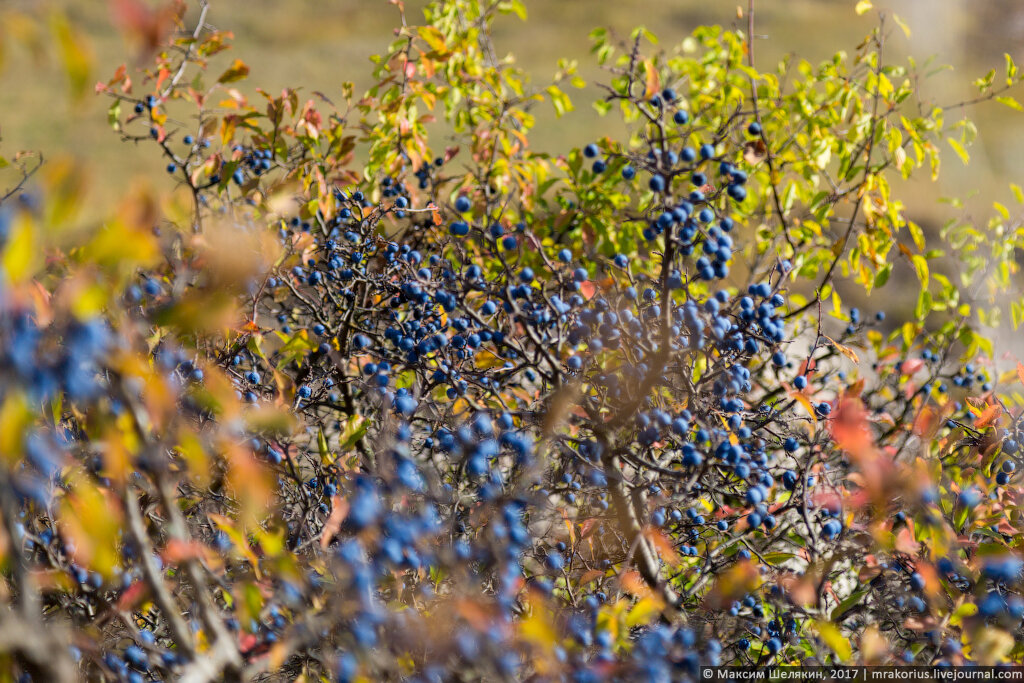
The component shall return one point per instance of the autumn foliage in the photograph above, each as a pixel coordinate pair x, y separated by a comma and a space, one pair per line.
370, 388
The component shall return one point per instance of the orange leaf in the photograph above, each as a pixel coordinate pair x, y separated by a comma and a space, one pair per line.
653, 79
737, 581
802, 399
926, 422
477, 614
568, 525
988, 416
435, 213
799, 589
177, 551
634, 584
339, 510
1020, 372
665, 549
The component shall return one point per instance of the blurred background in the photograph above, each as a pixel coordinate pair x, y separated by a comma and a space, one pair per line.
318, 44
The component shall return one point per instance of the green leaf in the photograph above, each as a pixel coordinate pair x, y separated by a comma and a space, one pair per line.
844, 607
776, 557
354, 430
924, 304
882, 276
321, 443
515, 7
254, 346
114, 115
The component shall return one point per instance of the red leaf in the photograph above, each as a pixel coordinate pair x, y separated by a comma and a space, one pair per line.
807, 366
911, 366
132, 596
849, 427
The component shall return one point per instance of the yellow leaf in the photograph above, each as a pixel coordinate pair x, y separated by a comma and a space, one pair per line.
846, 351
968, 609
863, 6
487, 359
121, 248
434, 38
236, 72
806, 403
91, 519
537, 630
21, 254
834, 639
15, 418
608, 618
991, 645
902, 24
644, 611
959, 149
238, 541
88, 301
75, 54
